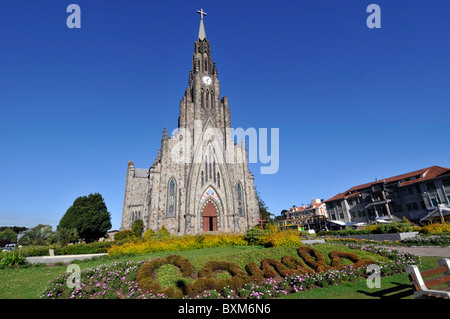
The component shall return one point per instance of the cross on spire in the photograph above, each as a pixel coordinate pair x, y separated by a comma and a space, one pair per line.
201, 31
202, 13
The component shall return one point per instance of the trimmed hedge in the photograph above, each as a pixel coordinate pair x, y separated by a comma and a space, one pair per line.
77, 249
313, 258
145, 275
269, 268
336, 256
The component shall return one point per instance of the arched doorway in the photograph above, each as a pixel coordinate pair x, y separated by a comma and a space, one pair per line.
209, 217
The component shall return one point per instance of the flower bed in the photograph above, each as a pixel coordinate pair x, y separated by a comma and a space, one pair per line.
272, 278
116, 280
178, 243
432, 240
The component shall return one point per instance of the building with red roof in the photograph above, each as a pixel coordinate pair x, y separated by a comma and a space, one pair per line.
417, 195
312, 216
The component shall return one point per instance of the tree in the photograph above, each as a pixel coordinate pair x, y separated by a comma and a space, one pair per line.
263, 209
89, 216
138, 228
66, 235
7, 236
39, 235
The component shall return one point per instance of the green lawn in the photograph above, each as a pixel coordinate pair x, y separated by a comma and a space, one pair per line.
396, 287
28, 283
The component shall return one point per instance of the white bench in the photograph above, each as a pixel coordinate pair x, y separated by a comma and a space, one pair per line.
422, 288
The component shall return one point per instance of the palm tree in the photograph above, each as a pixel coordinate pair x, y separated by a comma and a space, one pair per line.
39, 235
66, 235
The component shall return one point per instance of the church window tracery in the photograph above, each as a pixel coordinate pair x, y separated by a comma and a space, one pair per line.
239, 198
206, 169
214, 170
171, 198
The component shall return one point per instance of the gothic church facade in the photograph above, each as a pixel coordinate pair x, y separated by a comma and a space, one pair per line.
200, 181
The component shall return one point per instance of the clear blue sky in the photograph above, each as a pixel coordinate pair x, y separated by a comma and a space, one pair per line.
351, 103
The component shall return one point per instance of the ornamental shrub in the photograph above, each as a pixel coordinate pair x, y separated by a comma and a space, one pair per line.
239, 277
173, 243
12, 259
336, 256
145, 275
92, 248
124, 234
149, 234
285, 238
371, 228
436, 228
163, 232
253, 235
137, 227
271, 267
254, 272
313, 258
394, 228
202, 284
297, 266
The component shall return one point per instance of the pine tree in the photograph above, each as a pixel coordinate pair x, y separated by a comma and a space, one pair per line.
89, 216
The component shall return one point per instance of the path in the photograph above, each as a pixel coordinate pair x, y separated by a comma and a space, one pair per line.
65, 259
433, 251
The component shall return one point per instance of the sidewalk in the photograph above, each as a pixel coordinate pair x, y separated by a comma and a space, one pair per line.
433, 251
65, 259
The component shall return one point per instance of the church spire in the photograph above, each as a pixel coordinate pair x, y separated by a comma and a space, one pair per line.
202, 62
201, 31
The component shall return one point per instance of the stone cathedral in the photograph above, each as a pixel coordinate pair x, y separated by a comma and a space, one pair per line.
200, 181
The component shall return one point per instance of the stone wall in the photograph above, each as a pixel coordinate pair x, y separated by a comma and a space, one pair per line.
382, 237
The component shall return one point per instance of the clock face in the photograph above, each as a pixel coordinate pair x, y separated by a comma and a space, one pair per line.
207, 80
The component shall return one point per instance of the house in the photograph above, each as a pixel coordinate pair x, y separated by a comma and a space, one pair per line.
417, 195
311, 216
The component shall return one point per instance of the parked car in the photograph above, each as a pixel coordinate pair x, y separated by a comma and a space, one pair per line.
9, 247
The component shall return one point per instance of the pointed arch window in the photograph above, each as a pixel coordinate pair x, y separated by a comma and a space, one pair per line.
206, 169
210, 170
203, 178
171, 198
202, 96
218, 179
135, 215
239, 198
214, 170
209, 162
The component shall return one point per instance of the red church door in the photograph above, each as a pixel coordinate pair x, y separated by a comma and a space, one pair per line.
209, 218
